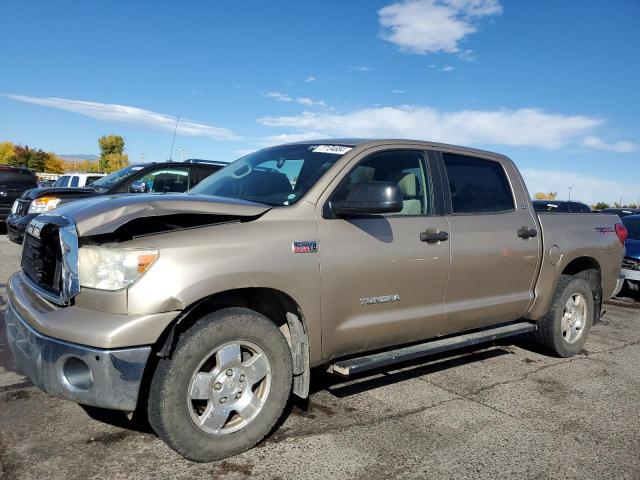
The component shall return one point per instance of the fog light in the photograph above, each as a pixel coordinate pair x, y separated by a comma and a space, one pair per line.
77, 373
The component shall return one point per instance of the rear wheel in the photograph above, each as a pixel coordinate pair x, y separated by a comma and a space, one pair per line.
224, 387
565, 328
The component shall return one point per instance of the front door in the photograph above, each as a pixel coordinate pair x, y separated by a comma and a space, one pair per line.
382, 284
493, 264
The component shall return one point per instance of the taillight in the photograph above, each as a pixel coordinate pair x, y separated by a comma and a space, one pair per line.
622, 232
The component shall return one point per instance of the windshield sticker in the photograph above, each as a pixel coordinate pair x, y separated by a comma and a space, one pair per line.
335, 149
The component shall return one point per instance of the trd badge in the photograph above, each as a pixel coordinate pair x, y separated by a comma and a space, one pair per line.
304, 247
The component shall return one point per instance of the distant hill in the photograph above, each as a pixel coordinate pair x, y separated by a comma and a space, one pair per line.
78, 157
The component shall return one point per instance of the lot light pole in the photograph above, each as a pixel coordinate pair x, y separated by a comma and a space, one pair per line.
570, 188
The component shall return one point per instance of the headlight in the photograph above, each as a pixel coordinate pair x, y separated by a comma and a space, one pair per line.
14, 207
43, 204
108, 268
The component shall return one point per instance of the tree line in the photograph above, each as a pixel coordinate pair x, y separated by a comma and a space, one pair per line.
112, 157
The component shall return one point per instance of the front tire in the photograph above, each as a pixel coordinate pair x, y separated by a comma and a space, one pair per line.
565, 328
224, 387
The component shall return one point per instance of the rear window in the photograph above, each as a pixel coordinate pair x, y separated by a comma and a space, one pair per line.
17, 178
477, 185
92, 179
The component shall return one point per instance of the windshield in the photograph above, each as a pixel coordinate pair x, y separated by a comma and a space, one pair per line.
274, 176
110, 180
633, 227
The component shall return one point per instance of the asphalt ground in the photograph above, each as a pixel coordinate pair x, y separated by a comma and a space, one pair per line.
504, 411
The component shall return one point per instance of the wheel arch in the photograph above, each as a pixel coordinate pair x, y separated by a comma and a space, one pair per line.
274, 304
588, 268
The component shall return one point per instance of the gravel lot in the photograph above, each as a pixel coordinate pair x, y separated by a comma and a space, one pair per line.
503, 411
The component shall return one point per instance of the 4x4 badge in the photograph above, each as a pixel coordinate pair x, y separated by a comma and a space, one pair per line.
304, 247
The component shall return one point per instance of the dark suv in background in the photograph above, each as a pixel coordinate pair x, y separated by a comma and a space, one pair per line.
14, 181
162, 177
560, 206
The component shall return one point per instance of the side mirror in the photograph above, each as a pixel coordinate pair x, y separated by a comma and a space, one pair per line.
138, 187
371, 198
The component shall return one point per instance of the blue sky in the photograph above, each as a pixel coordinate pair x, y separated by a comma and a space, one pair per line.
551, 83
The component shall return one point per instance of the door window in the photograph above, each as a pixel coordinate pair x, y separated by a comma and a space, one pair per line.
477, 185
175, 179
74, 181
405, 168
62, 181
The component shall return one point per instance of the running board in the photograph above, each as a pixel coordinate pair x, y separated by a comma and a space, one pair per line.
383, 359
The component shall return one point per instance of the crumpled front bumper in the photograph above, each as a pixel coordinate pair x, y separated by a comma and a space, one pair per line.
107, 378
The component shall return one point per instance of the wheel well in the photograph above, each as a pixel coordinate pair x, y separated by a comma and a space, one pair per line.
276, 305
588, 269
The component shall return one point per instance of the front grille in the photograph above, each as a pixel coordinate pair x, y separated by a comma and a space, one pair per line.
42, 257
630, 263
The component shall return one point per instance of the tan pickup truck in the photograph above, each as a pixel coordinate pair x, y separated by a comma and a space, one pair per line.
207, 310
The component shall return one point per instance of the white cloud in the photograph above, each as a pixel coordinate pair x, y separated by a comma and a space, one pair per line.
310, 79
584, 188
280, 97
599, 144
522, 127
290, 137
306, 101
397, 91
431, 26
360, 68
447, 68
309, 102
110, 112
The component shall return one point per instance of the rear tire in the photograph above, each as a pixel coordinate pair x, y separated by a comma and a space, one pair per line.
565, 328
224, 387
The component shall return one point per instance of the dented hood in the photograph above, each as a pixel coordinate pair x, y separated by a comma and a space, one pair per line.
105, 213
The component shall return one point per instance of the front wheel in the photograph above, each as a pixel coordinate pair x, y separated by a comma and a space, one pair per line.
224, 387
565, 328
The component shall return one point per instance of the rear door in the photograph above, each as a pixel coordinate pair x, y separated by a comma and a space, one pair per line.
494, 258
381, 284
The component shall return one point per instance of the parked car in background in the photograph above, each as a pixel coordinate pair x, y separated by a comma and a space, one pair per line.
206, 311
621, 212
77, 180
631, 262
14, 181
560, 206
175, 177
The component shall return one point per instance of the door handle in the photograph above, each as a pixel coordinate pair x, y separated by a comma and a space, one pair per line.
527, 232
434, 236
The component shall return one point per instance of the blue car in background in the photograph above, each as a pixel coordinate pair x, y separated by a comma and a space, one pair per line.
631, 262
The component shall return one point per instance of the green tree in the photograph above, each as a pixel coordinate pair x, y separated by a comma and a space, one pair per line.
110, 145
25, 157
116, 161
6, 152
546, 196
600, 206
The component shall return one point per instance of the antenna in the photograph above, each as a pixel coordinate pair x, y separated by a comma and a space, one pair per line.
174, 138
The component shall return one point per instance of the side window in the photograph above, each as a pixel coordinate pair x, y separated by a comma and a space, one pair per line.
477, 185
175, 179
74, 181
405, 168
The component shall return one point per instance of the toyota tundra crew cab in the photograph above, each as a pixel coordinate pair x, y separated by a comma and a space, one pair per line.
206, 311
